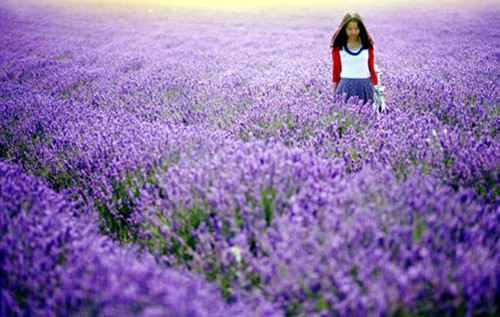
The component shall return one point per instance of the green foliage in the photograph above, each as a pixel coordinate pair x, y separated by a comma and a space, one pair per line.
267, 198
418, 230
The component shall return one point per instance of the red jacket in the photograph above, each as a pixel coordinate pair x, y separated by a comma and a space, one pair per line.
337, 65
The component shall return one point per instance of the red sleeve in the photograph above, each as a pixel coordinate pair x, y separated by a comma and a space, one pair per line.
371, 66
336, 65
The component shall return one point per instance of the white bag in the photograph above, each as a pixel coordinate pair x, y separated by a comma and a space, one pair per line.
378, 95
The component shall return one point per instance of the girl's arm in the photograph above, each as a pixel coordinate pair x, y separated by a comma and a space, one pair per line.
334, 87
336, 70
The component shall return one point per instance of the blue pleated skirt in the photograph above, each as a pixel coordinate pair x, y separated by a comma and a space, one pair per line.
355, 87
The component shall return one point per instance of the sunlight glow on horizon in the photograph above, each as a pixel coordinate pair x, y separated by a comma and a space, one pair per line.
228, 3
247, 6
225, 4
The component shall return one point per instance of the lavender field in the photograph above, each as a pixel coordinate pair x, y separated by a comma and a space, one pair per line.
161, 161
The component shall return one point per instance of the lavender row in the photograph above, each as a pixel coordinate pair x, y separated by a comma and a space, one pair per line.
207, 203
317, 240
231, 211
249, 92
54, 263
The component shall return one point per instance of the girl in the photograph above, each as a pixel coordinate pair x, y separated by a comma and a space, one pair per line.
354, 70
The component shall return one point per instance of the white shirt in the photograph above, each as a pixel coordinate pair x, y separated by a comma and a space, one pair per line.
354, 64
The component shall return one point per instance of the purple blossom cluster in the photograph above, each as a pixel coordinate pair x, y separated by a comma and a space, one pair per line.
195, 164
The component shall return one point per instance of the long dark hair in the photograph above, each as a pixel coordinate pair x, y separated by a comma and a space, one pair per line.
339, 39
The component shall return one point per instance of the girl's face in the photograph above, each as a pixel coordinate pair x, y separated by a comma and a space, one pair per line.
352, 30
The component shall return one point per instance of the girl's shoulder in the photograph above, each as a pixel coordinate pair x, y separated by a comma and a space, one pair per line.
336, 49
369, 49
